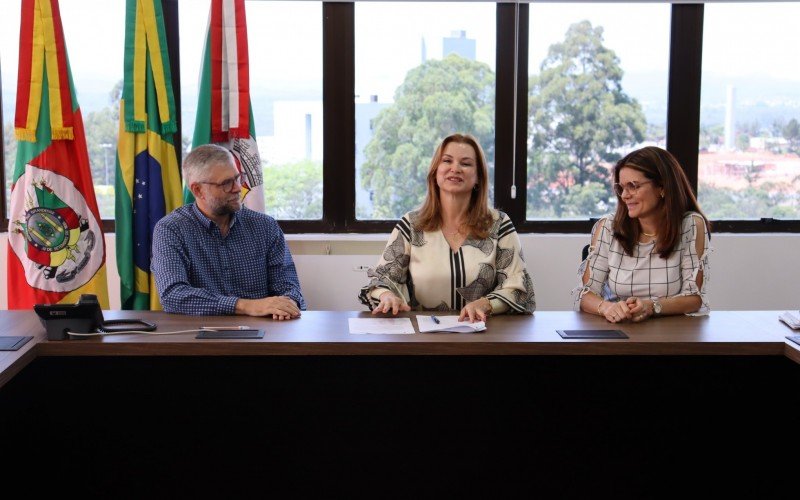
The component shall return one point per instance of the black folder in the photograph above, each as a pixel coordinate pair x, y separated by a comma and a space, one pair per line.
231, 334
592, 334
13, 343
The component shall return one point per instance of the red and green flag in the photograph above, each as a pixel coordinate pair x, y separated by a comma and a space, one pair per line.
56, 250
224, 110
148, 184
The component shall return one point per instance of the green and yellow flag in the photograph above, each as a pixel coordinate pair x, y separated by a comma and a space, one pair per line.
148, 184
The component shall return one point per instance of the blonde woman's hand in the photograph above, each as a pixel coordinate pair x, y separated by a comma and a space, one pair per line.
477, 310
616, 312
640, 309
390, 302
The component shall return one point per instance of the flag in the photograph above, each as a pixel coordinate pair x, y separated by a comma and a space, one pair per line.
148, 184
224, 110
56, 250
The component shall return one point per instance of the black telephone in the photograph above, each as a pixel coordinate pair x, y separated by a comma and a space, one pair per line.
83, 317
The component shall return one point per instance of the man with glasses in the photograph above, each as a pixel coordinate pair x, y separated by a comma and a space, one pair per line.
214, 257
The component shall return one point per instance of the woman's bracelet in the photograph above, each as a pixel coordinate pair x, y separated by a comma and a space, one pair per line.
598, 307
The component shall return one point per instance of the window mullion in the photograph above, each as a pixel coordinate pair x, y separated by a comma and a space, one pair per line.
505, 176
683, 102
338, 110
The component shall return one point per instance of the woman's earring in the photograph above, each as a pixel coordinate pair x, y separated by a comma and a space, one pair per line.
662, 194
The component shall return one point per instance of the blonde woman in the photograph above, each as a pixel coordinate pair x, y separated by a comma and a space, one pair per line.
454, 253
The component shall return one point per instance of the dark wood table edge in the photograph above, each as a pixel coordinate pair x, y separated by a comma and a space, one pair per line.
267, 348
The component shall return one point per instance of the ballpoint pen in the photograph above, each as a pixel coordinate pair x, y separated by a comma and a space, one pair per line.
435, 319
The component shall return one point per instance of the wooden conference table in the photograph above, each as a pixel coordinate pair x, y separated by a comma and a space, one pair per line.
710, 401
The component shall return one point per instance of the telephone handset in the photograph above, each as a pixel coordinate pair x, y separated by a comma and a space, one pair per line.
84, 317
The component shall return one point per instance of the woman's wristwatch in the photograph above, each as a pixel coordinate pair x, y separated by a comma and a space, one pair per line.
656, 306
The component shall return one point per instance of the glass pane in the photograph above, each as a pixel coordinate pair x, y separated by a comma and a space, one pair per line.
9, 62
424, 75
749, 158
97, 76
598, 80
286, 95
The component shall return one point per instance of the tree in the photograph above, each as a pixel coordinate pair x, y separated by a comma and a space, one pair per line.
580, 121
742, 142
791, 132
102, 131
768, 200
10, 150
294, 191
436, 99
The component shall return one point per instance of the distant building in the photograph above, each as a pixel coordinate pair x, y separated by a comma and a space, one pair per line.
458, 43
297, 133
365, 121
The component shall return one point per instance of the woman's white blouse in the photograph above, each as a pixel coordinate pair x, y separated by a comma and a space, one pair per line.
614, 275
421, 267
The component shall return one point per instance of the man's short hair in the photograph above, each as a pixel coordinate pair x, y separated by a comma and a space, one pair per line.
201, 158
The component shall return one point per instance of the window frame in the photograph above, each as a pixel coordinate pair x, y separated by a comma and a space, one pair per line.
338, 55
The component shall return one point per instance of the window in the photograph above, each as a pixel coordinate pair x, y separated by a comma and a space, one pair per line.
9, 61
425, 75
597, 89
285, 47
97, 85
346, 138
749, 158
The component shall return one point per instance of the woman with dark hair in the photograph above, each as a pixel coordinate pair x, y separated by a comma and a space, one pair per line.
455, 252
651, 258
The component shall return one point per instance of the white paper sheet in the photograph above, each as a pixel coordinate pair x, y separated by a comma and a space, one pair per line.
391, 326
448, 324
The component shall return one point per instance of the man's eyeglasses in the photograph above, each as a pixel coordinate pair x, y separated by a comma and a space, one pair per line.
227, 184
631, 187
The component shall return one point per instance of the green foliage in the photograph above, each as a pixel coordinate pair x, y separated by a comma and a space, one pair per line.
767, 200
105, 200
791, 132
10, 152
102, 131
742, 142
710, 136
294, 190
436, 99
580, 120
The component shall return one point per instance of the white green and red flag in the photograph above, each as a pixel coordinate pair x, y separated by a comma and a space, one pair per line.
56, 250
224, 110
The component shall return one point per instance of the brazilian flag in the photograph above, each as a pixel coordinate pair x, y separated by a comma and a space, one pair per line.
148, 184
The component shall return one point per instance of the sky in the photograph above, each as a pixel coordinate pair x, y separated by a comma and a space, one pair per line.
286, 39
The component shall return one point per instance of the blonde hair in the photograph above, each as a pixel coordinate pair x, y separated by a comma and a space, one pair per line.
479, 214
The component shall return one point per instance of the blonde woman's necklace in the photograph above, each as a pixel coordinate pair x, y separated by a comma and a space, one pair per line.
650, 235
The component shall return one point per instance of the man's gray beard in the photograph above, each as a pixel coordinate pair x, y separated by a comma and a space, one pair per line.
226, 209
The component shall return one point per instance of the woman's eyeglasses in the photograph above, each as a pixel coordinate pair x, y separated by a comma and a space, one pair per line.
631, 187
227, 184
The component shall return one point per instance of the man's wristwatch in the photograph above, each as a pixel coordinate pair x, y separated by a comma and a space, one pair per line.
656, 306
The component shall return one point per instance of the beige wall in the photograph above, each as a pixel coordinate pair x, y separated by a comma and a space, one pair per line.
747, 271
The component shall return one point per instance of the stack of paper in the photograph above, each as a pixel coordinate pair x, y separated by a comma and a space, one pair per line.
381, 325
448, 324
791, 320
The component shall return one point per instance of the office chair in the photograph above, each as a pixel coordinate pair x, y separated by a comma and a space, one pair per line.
584, 252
